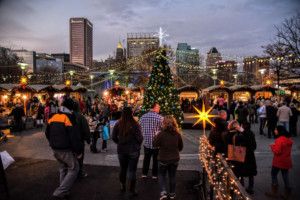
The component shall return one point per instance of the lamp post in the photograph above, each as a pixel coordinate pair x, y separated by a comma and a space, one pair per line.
23, 67
235, 78
111, 73
72, 73
214, 71
92, 77
262, 72
29, 77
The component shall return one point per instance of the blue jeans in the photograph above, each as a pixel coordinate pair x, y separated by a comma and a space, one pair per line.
284, 173
262, 125
163, 168
286, 125
68, 169
128, 160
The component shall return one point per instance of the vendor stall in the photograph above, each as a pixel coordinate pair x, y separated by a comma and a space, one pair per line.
241, 92
189, 92
263, 91
213, 93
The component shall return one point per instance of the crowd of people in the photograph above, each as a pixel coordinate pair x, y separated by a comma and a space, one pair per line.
68, 130
281, 122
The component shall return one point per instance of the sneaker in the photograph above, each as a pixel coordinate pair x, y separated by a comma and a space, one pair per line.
172, 196
103, 151
144, 176
83, 175
163, 196
154, 177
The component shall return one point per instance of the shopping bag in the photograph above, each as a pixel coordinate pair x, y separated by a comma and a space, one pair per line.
6, 159
236, 152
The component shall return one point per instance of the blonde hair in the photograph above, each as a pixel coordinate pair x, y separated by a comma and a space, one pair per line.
169, 124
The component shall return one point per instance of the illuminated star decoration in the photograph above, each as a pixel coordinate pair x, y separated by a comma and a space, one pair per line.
204, 116
161, 35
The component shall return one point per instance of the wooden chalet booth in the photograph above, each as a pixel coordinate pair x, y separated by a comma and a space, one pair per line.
189, 92
263, 91
214, 92
242, 93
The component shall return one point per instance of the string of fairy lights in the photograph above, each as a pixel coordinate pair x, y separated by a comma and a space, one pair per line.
131, 62
220, 176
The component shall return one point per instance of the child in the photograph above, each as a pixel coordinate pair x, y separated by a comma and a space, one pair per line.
105, 136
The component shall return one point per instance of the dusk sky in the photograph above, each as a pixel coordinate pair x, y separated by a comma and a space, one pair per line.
235, 27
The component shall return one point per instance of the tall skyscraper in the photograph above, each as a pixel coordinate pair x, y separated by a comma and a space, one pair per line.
81, 42
212, 57
188, 61
137, 43
120, 53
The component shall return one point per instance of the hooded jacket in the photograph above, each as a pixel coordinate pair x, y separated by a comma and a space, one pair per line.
63, 133
82, 123
282, 152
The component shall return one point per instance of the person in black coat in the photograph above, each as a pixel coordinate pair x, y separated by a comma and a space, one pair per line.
293, 120
242, 113
232, 108
18, 113
215, 136
40, 115
250, 161
234, 129
271, 119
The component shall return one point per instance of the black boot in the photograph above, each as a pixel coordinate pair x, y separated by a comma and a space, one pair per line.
132, 191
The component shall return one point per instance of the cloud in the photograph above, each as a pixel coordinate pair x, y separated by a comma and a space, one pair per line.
238, 27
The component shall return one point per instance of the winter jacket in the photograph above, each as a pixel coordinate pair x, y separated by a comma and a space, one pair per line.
215, 139
294, 118
85, 134
284, 113
129, 143
282, 153
40, 113
262, 112
170, 144
251, 108
18, 113
242, 113
63, 133
250, 161
105, 135
240, 169
271, 114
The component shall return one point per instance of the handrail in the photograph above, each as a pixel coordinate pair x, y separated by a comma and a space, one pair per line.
221, 179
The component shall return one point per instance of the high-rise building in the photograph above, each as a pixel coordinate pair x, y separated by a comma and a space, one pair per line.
27, 57
212, 57
120, 53
226, 70
256, 68
81, 42
137, 43
64, 57
188, 62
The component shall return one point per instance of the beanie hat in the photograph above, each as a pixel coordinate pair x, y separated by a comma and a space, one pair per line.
68, 103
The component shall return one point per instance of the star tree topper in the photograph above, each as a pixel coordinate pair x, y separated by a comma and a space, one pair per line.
161, 35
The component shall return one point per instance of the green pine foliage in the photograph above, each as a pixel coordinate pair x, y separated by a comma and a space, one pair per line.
160, 89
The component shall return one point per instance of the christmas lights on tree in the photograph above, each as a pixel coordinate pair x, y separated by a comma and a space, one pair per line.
160, 89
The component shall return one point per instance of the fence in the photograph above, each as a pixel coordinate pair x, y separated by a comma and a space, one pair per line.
218, 180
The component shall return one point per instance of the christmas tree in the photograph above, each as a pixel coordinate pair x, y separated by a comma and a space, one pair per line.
160, 89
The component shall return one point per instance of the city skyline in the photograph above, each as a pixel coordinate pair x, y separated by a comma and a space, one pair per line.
235, 28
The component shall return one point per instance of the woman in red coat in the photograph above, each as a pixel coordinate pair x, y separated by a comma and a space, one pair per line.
282, 161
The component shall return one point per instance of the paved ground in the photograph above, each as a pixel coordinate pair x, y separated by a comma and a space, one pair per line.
32, 144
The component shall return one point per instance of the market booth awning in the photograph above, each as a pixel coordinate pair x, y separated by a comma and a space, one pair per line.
216, 88
240, 88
